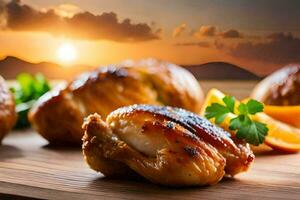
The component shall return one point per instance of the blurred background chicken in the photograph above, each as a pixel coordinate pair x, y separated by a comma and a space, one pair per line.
59, 114
7, 109
281, 88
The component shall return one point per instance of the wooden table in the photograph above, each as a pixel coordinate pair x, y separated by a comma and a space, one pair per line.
31, 169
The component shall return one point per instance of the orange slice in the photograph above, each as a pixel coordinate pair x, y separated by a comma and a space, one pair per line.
281, 136
286, 114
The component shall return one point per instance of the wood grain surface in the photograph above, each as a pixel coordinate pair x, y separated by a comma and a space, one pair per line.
29, 168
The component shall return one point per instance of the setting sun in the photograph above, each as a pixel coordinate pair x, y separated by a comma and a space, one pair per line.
67, 53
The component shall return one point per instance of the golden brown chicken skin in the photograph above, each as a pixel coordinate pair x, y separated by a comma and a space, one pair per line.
7, 110
281, 88
58, 115
166, 145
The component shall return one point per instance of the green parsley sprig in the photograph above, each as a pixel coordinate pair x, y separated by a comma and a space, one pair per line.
26, 91
251, 131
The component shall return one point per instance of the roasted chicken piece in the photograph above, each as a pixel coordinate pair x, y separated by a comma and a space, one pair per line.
281, 88
7, 109
166, 145
59, 114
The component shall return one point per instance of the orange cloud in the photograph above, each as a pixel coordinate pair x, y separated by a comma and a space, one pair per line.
198, 44
207, 31
67, 10
82, 25
232, 33
212, 31
159, 32
179, 30
2, 15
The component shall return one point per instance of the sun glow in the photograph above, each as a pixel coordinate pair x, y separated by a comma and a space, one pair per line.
67, 53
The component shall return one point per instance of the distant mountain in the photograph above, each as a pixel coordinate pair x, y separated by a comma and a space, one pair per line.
220, 71
11, 66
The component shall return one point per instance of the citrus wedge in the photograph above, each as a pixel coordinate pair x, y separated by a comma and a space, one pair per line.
286, 114
216, 96
281, 136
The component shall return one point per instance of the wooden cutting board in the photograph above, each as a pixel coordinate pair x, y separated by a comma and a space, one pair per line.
29, 168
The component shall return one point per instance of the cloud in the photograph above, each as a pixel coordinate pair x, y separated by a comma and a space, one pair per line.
159, 31
277, 48
2, 15
198, 44
67, 10
82, 25
212, 31
232, 33
179, 30
207, 31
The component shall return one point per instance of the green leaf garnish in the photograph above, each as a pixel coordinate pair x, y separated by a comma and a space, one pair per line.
251, 131
27, 90
254, 107
217, 111
229, 102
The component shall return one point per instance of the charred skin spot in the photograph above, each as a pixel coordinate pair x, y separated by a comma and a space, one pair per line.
170, 125
250, 158
109, 72
191, 151
115, 71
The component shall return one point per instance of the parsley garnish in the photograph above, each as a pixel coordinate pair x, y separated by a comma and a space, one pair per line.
26, 91
251, 131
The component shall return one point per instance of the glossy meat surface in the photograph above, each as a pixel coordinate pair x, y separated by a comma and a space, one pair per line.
59, 114
7, 109
166, 145
281, 88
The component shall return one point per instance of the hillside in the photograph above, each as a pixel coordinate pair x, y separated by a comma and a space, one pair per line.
220, 71
11, 66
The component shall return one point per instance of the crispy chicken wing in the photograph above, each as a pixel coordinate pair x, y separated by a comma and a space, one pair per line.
7, 109
166, 145
58, 115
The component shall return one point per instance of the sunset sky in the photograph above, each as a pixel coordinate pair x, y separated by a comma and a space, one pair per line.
258, 35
